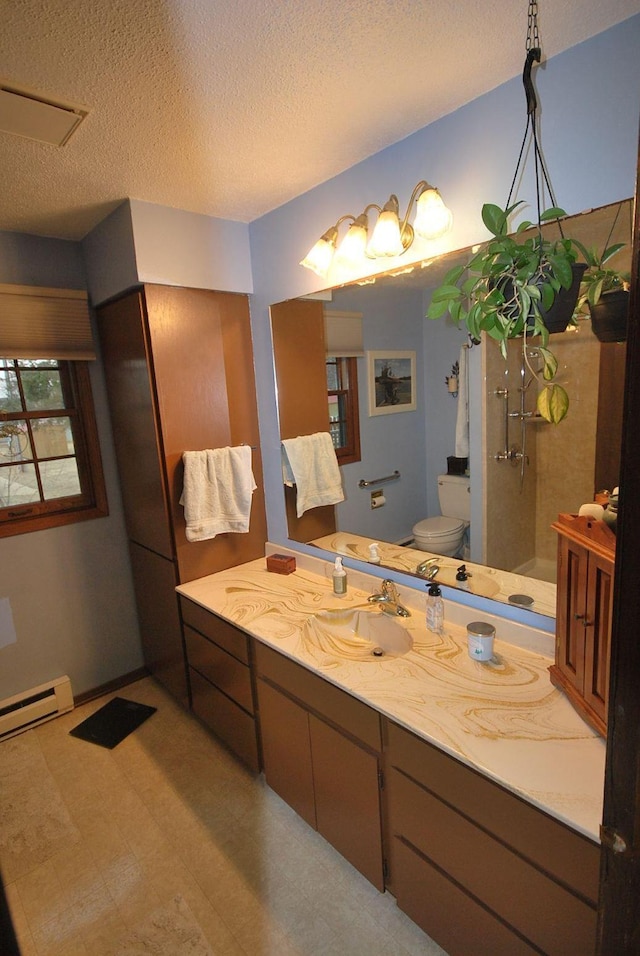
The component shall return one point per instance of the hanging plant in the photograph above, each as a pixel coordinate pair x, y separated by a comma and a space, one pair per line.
505, 289
509, 286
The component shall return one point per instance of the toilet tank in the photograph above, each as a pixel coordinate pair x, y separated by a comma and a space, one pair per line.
454, 496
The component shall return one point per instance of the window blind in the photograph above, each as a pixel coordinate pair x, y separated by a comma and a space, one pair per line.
343, 333
45, 323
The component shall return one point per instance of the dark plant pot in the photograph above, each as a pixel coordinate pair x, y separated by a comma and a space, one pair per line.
609, 316
559, 315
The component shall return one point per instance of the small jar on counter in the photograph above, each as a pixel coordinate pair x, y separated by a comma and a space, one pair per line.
480, 637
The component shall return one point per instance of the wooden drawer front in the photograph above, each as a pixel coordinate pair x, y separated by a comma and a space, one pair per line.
565, 854
231, 638
228, 721
328, 701
533, 904
449, 915
223, 670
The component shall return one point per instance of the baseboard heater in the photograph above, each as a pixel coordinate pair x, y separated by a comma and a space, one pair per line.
34, 706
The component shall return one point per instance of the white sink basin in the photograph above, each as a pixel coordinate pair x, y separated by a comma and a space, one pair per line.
360, 634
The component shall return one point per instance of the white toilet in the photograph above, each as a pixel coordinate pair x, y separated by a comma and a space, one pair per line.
444, 534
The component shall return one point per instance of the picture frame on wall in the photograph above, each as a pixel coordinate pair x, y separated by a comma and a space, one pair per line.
391, 382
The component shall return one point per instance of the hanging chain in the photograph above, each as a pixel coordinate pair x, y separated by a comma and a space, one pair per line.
533, 37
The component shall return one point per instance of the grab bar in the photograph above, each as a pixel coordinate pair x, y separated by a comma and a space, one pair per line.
378, 481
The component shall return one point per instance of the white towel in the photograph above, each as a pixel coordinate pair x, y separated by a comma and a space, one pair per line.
310, 463
462, 419
217, 490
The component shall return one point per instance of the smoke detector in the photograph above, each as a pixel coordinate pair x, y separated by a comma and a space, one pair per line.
23, 113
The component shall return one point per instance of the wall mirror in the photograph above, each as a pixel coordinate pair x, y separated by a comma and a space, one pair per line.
523, 472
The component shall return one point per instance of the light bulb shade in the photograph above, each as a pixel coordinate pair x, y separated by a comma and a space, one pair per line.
320, 257
433, 218
351, 251
386, 239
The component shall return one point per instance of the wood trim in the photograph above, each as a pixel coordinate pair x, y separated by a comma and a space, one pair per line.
117, 684
618, 926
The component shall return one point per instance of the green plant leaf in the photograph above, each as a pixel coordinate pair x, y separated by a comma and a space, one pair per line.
553, 213
553, 403
611, 251
453, 275
446, 292
437, 309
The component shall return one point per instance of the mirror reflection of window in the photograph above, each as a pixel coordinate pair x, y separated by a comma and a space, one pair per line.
342, 393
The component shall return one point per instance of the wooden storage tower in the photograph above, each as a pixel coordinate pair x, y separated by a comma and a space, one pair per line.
179, 371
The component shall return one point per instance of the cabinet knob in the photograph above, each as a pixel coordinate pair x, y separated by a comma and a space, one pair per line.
579, 617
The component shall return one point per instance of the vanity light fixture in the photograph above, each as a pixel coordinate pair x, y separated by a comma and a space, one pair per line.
391, 236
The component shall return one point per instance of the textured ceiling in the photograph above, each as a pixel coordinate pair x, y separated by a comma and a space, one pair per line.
232, 107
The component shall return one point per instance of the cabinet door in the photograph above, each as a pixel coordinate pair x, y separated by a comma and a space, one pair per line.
347, 793
154, 581
599, 609
130, 390
286, 750
571, 610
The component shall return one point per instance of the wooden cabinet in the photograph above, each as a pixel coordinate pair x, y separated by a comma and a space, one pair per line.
480, 870
321, 751
586, 557
179, 373
298, 330
219, 662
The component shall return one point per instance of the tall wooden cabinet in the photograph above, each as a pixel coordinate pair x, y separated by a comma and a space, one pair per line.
586, 558
179, 372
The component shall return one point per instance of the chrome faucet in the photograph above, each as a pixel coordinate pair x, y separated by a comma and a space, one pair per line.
389, 600
428, 568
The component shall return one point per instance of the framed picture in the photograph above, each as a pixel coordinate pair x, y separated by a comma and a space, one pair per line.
392, 382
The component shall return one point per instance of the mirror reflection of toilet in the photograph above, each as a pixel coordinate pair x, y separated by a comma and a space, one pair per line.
444, 533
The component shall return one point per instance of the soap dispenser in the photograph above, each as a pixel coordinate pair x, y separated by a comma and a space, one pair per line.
374, 554
339, 577
435, 609
462, 578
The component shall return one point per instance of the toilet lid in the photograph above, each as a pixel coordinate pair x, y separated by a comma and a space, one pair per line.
438, 527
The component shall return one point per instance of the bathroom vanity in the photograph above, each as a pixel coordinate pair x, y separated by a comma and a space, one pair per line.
586, 560
472, 792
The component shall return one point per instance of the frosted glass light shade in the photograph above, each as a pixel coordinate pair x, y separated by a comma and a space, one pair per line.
351, 250
433, 218
386, 239
319, 258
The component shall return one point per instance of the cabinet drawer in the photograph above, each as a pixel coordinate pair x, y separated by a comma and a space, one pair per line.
568, 856
449, 915
521, 895
231, 638
354, 717
221, 668
228, 721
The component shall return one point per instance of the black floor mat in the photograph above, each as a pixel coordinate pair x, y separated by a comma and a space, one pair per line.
113, 722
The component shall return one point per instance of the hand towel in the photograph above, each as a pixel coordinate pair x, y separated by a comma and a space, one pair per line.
217, 491
310, 463
462, 419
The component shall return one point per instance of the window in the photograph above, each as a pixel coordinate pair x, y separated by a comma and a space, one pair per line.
50, 467
344, 423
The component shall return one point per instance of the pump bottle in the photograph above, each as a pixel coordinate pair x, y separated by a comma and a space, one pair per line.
339, 577
435, 609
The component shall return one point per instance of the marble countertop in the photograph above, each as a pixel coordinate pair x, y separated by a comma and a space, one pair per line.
503, 718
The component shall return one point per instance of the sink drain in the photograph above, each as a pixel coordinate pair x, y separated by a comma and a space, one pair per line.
377, 652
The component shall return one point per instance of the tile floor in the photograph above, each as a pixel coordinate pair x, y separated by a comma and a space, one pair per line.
169, 813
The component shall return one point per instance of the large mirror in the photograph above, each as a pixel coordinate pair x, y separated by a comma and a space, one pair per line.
522, 471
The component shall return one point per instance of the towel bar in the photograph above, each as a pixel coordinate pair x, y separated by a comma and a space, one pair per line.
378, 481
